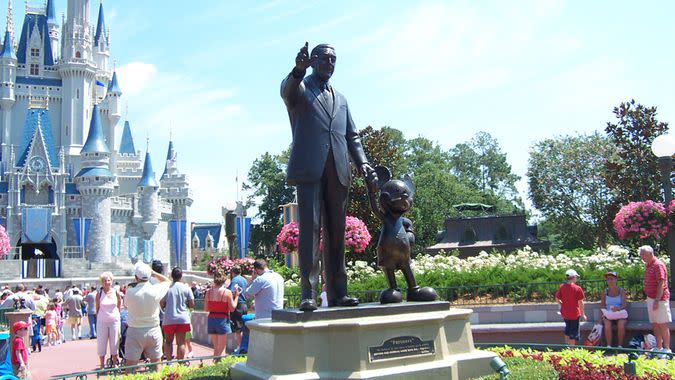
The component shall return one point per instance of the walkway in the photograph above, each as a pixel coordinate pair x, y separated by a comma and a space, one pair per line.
76, 356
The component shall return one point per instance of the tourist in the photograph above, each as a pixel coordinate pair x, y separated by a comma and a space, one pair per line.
19, 298
58, 304
219, 302
35, 336
19, 351
176, 304
90, 300
613, 307
50, 325
267, 289
196, 292
107, 303
570, 296
658, 296
236, 315
144, 336
74, 304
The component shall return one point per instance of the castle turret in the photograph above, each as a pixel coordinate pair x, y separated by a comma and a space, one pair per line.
148, 203
176, 190
53, 27
8, 62
113, 98
95, 182
101, 43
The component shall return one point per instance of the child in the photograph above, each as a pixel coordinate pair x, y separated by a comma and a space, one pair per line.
59, 320
19, 352
570, 296
36, 338
50, 324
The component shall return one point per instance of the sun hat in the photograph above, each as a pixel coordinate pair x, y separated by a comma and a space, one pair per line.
142, 271
612, 273
19, 325
571, 273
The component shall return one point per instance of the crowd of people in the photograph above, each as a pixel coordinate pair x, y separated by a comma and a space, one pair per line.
613, 304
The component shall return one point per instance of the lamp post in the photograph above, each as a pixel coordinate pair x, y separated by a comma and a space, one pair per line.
664, 147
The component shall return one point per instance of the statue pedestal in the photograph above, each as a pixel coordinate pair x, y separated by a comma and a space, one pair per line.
401, 341
16, 316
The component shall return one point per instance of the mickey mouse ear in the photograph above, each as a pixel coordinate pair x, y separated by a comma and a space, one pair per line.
383, 175
411, 186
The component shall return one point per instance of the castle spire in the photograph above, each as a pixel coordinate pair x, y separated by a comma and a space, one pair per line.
7, 48
127, 143
114, 87
51, 12
10, 20
148, 178
95, 139
170, 167
100, 27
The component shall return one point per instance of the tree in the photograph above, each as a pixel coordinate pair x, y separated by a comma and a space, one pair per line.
566, 183
267, 179
633, 173
481, 163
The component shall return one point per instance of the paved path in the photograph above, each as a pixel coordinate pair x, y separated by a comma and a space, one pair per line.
76, 356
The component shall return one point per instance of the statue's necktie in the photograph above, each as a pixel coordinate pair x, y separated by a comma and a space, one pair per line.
327, 97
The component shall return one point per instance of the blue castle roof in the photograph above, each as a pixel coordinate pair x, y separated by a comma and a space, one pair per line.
29, 23
148, 178
7, 49
203, 229
100, 26
95, 139
127, 143
29, 127
94, 172
114, 86
51, 12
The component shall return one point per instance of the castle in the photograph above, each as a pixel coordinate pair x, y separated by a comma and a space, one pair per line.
73, 204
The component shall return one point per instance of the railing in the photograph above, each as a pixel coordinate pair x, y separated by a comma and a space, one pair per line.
13, 254
501, 293
73, 252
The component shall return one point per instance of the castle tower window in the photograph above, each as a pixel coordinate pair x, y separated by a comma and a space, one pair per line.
34, 52
34, 69
78, 55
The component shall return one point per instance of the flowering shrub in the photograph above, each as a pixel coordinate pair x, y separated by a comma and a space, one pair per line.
642, 219
357, 236
580, 364
5, 247
225, 264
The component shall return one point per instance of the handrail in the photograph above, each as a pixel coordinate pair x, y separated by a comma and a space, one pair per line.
514, 293
146, 367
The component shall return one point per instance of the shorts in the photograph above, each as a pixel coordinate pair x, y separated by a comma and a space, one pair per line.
235, 317
23, 374
662, 314
75, 320
141, 340
50, 329
218, 326
177, 328
572, 329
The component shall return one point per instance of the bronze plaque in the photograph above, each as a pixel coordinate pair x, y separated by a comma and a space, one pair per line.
401, 347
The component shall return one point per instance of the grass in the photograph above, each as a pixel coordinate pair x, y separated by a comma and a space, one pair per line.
526, 369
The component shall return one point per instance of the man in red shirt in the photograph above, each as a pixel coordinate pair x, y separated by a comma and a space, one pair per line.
570, 296
658, 296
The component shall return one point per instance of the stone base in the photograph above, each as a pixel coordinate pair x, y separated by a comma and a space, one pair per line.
372, 341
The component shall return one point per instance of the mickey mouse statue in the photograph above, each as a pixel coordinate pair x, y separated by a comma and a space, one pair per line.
396, 237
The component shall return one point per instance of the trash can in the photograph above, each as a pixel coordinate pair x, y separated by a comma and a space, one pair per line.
5, 361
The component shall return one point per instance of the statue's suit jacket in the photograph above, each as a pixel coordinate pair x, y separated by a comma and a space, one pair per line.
318, 129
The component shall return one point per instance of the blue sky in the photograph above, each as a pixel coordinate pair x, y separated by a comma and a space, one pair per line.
521, 70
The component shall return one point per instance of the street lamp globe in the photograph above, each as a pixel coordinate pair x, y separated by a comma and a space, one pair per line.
663, 146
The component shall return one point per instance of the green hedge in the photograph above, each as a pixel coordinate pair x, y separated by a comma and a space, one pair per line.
526, 369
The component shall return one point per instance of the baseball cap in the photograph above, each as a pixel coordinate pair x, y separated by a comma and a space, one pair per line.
611, 273
571, 273
19, 325
142, 271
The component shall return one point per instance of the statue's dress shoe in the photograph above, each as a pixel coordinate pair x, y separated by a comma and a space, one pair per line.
345, 301
308, 305
391, 296
425, 294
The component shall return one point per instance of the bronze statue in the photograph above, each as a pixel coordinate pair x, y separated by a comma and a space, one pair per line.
396, 236
324, 140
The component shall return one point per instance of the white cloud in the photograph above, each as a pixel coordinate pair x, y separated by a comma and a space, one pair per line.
134, 77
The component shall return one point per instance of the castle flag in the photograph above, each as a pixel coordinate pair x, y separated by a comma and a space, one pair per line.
243, 234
